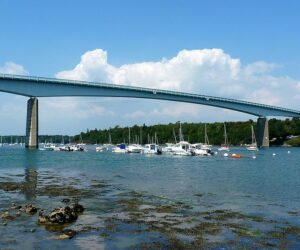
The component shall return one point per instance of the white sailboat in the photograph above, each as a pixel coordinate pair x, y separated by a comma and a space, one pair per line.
225, 146
134, 147
206, 141
182, 147
81, 141
253, 146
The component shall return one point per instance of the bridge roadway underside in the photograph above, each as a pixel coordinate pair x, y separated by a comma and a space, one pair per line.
32, 127
35, 87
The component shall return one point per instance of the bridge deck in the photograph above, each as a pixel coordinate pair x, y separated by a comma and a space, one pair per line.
50, 87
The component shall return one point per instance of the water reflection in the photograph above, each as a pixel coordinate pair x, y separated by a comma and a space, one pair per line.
31, 174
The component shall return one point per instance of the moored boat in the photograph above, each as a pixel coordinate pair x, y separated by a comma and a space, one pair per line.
253, 145
152, 149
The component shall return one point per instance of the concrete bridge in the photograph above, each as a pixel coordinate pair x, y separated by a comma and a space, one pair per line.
35, 87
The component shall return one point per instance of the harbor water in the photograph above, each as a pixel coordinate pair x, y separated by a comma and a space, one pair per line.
135, 201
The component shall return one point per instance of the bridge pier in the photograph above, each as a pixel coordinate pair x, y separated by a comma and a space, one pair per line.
263, 132
32, 124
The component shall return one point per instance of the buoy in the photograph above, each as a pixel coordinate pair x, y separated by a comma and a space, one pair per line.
273, 154
254, 157
225, 154
236, 156
289, 152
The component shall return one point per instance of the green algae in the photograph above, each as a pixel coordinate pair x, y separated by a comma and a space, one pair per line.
65, 190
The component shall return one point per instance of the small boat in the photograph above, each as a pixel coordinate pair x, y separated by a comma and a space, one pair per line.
198, 150
72, 148
182, 148
236, 156
253, 145
206, 145
50, 147
80, 144
225, 146
168, 148
100, 148
120, 148
134, 148
152, 149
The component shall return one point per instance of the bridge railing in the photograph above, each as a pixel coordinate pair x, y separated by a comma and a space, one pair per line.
139, 89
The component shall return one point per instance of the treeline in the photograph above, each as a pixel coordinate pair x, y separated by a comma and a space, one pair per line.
238, 132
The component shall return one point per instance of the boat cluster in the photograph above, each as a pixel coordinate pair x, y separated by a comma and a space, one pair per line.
183, 148
62, 147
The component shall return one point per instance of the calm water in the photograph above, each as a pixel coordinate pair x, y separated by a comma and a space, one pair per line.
145, 202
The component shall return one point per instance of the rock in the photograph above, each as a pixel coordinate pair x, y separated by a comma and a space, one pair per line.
66, 200
7, 216
18, 214
30, 209
4, 224
67, 234
61, 215
13, 205
78, 208
32, 230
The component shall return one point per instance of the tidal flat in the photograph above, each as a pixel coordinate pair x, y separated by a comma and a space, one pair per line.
137, 202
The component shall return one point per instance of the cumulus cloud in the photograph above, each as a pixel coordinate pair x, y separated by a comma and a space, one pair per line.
202, 71
13, 68
189, 70
205, 71
74, 107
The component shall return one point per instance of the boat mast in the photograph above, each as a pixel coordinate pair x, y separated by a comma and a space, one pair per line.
129, 136
205, 135
109, 138
174, 136
180, 133
253, 136
225, 135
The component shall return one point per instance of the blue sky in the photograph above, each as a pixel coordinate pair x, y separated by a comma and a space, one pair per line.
48, 37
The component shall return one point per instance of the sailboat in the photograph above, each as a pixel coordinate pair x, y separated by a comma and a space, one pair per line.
107, 146
134, 147
80, 141
225, 146
206, 141
253, 146
182, 147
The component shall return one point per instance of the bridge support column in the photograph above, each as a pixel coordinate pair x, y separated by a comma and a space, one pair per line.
263, 132
32, 124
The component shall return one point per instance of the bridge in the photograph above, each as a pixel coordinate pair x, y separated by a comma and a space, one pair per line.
34, 87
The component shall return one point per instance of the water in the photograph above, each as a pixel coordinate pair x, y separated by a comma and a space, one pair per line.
137, 201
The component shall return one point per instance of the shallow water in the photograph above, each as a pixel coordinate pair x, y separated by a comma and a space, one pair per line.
138, 201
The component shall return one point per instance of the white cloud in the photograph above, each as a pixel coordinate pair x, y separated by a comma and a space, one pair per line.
92, 67
13, 68
191, 70
177, 110
71, 107
206, 71
136, 114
